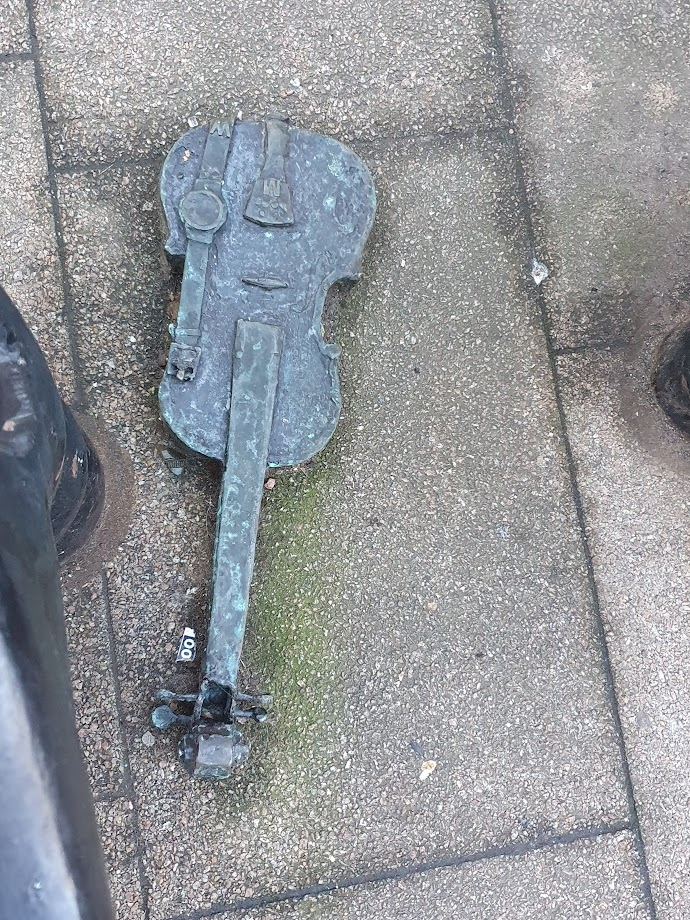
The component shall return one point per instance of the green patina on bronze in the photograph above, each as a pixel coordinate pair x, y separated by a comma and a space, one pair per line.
267, 219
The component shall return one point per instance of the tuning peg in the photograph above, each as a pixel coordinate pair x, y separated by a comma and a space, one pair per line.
255, 715
163, 717
167, 696
260, 700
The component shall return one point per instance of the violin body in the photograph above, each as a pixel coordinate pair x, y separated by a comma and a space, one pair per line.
274, 269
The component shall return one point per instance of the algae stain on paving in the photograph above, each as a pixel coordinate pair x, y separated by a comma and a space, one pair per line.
293, 646
290, 649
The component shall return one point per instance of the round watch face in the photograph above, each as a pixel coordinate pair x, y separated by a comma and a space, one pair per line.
202, 210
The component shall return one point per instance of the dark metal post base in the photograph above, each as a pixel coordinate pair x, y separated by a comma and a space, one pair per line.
212, 746
51, 866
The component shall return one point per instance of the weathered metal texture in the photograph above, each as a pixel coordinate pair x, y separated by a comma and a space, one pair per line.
250, 380
254, 382
51, 867
270, 274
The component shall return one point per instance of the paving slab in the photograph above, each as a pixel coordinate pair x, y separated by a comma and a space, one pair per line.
14, 28
126, 81
594, 880
603, 104
421, 591
29, 266
634, 472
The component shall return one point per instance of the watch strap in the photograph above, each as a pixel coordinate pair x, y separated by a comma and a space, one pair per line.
185, 349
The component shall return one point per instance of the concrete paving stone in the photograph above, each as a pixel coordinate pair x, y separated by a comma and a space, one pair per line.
92, 685
29, 266
420, 591
594, 880
603, 105
126, 81
634, 472
121, 856
14, 27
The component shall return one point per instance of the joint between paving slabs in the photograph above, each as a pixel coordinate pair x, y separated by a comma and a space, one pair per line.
80, 399
426, 138
128, 784
14, 57
539, 296
396, 873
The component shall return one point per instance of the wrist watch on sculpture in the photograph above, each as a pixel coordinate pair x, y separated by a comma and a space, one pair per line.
202, 212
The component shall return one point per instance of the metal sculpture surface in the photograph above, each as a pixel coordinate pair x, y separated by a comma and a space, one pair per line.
267, 219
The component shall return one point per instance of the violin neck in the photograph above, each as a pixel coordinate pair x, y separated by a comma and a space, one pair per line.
256, 362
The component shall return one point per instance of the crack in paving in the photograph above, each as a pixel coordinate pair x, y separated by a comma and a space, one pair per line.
129, 780
80, 397
115, 795
101, 166
565, 351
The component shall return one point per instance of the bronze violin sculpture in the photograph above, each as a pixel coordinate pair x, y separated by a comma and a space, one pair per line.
267, 218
